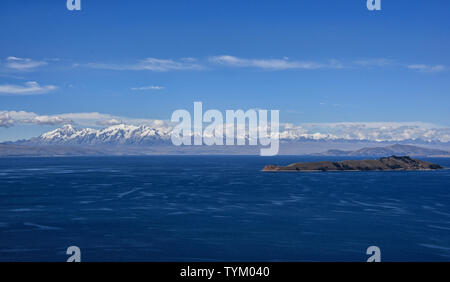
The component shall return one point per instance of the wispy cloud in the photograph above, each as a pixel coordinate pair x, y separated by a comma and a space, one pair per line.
375, 62
151, 87
383, 62
272, 64
30, 88
427, 68
23, 64
148, 64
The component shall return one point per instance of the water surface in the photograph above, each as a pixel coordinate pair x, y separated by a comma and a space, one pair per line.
218, 208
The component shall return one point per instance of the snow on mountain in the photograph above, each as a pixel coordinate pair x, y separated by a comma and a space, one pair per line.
124, 134
113, 135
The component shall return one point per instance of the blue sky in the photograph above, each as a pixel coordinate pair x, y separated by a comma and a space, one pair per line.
317, 61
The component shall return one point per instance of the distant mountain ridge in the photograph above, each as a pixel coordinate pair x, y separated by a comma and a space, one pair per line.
114, 135
397, 149
124, 139
125, 134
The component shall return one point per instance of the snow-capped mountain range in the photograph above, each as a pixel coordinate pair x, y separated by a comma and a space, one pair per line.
113, 135
125, 139
125, 134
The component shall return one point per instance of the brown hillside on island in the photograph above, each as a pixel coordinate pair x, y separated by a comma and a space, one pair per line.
392, 163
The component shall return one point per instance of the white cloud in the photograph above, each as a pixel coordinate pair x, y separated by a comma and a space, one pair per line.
151, 87
109, 122
90, 119
373, 131
93, 119
427, 68
23, 117
30, 88
6, 120
20, 115
149, 64
270, 64
23, 64
47, 120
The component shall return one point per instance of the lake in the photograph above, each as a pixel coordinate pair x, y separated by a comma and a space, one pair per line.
218, 208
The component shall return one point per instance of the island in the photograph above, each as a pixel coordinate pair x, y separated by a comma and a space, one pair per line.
392, 163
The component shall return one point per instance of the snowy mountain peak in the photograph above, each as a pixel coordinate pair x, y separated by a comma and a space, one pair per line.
67, 127
66, 130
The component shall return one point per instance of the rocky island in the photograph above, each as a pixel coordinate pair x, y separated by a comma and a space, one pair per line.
392, 163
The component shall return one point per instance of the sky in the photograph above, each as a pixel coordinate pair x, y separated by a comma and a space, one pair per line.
324, 62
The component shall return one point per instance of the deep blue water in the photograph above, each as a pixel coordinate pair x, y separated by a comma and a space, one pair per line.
217, 208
